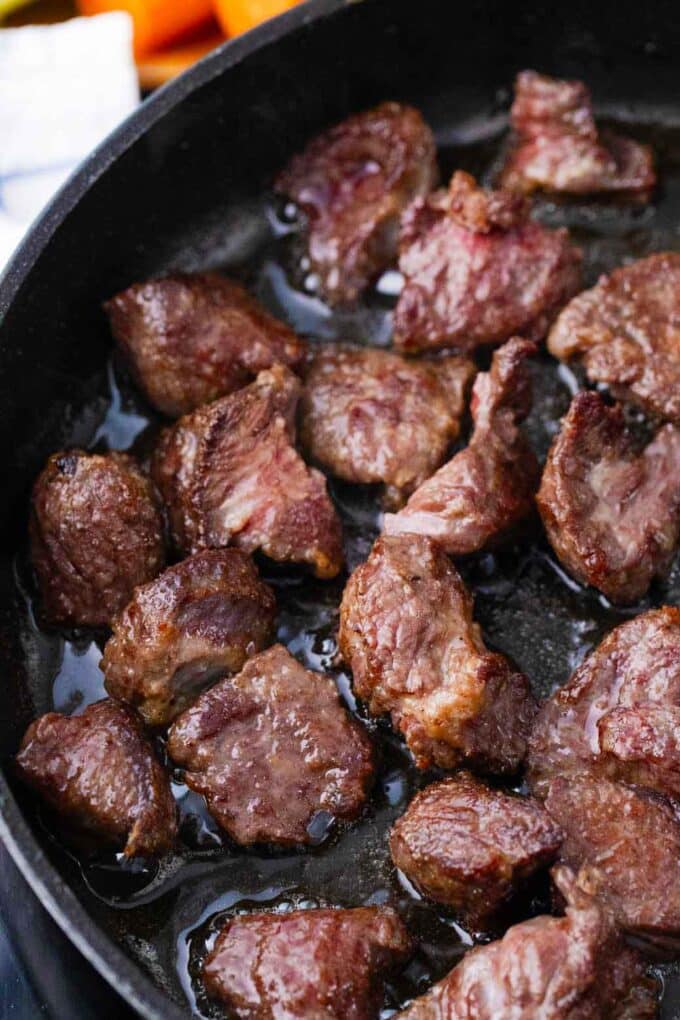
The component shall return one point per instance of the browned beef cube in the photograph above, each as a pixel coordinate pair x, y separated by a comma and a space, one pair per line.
306, 965
641, 745
96, 532
352, 182
466, 845
477, 270
230, 474
273, 750
200, 619
406, 631
557, 147
574, 967
617, 715
624, 331
625, 844
372, 416
611, 510
479, 497
190, 339
99, 773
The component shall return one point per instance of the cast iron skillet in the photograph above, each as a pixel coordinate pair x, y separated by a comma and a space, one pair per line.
180, 185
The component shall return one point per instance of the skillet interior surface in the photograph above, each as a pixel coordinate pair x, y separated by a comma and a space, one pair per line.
191, 192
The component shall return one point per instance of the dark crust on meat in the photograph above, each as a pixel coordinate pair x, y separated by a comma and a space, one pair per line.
189, 339
198, 620
230, 474
478, 498
100, 774
556, 146
612, 513
625, 332
625, 844
96, 531
371, 416
482, 210
322, 964
352, 182
476, 272
406, 631
271, 748
470, 847
574, 967
616, 715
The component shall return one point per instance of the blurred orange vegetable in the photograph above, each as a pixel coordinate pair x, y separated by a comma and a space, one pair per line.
157, 22
238, 16
155, 69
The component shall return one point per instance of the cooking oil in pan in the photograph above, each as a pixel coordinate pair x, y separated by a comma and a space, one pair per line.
167, 914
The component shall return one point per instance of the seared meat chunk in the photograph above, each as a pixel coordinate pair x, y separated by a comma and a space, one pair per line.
200, 619
100, 774
618, 714
625, 332
557, 147
406, 631
642, 745
230, 474
626, 845
271, 750
192, 338
478, 497
574, 967
352, 182
470, 847
306, 965
96, 531
477, 270
611, 511
372, 416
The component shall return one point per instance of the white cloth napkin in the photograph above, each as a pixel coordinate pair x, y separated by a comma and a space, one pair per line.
63, 88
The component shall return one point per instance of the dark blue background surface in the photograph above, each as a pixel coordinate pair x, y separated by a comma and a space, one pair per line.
41, 974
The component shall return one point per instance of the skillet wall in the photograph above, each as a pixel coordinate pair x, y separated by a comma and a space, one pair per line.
225, 139
214, 140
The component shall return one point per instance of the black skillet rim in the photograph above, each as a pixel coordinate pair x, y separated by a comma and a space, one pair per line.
122, 973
